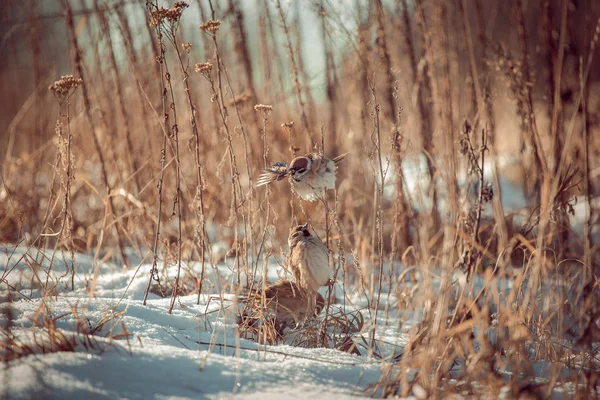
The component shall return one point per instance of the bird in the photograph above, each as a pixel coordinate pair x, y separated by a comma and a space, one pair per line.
309, 176
286, 307
309, 262
289, 302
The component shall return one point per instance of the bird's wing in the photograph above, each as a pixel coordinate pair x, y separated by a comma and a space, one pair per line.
296, 258
340, 158
266, 178
271, 175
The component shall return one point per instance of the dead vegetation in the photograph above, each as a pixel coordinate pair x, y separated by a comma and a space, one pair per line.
134, 152
42, 336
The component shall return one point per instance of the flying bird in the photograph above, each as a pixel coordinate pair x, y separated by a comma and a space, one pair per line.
309, 176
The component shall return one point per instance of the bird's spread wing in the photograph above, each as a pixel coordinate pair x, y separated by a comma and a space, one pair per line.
277, 173
340, 158
267, 177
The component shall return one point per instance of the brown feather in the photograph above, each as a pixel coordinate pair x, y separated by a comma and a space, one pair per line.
290, 303
340, 158
271, 175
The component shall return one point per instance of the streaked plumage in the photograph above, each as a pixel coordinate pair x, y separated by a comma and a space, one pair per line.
309, 261
309, 176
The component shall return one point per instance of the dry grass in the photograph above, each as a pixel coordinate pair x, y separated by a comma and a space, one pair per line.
139, 152
43, 336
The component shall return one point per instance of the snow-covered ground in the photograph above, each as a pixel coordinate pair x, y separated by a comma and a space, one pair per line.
189, 354
416, 182
141, 351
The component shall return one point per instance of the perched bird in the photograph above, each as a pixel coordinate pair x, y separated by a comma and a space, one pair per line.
309, 262
309, 176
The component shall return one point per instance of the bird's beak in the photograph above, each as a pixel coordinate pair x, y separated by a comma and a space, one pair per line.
305, 226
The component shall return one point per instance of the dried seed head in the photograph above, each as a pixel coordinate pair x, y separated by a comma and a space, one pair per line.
187, 47
157, 16
182, 5
264, 109
65, 86
288, 125
487, 193
210, 26
172, 15
204, 69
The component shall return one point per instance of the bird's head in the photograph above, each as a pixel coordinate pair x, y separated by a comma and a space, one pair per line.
299, 167
298, 233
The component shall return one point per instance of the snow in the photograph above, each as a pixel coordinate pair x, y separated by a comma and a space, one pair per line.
190, 354
416, 182
143, 352
165, 368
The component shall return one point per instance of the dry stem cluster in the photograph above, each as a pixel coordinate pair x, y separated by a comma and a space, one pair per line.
152, 162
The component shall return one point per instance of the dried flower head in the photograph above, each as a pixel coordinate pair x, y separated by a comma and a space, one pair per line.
264, 109
187, 47
464, 140
210, 26
171, 15
488, 192
204, 69
65, 86
174, 13
240, 98
288, 125
157, 16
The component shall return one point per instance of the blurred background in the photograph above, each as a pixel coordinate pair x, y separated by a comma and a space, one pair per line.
383, 80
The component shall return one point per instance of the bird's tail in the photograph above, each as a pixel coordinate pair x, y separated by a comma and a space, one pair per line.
340, 158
